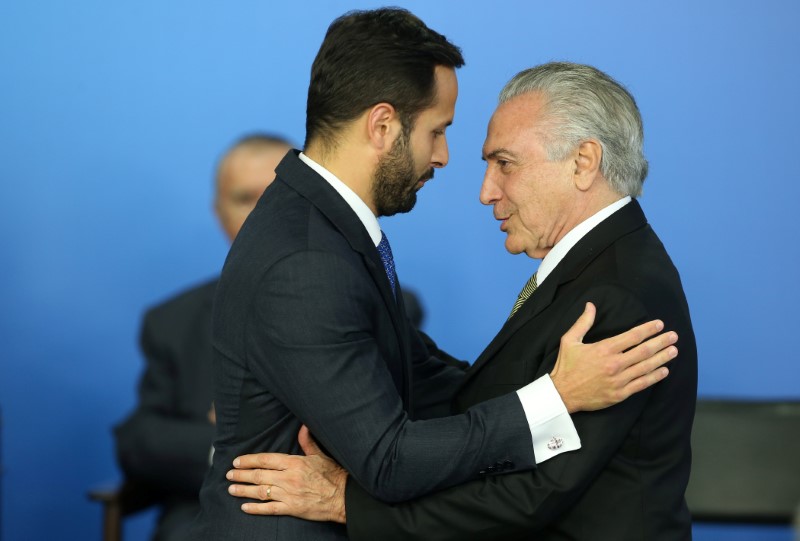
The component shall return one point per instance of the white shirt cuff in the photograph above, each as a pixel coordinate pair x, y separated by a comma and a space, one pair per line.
551, 426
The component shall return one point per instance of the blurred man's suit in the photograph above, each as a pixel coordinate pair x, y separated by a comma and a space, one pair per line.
164, 445
628, 480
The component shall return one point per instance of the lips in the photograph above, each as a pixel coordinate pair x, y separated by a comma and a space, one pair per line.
424, 178
503, 222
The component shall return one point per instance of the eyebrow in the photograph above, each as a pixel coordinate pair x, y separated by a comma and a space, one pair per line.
496, 152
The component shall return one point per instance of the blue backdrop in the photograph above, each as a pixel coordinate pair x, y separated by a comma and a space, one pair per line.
113, 113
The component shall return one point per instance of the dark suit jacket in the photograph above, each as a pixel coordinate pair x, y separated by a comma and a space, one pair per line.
307, 330
627, 482
163, 445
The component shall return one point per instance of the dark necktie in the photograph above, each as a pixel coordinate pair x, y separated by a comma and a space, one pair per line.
526, 292
385, 252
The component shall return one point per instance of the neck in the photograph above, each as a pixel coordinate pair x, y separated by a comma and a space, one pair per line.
350, 165
586, 205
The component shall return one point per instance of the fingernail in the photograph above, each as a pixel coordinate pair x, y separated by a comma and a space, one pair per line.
229, 475
659, 325
245, 507
236, 462
231, 489
673, 351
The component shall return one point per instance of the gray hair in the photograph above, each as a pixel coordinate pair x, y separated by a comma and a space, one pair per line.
584, 103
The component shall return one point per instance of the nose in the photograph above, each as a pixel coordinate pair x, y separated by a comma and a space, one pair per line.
441, 154
490, 191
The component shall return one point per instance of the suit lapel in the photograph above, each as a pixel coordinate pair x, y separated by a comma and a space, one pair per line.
305, 181
625, 220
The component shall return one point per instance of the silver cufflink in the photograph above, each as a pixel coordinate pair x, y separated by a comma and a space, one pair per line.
555, 443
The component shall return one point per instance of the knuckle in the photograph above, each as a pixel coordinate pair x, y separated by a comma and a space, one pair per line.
258, 476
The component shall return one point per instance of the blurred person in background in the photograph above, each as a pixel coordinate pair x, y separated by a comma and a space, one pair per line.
163, 446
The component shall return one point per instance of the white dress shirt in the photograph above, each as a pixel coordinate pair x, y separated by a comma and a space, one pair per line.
552, 430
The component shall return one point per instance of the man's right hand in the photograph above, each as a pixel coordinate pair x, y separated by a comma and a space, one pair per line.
309, 487
595, 376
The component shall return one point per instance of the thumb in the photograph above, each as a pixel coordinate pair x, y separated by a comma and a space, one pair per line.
307, 443
582, 325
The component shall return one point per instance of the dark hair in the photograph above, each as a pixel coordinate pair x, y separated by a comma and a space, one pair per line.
368, 57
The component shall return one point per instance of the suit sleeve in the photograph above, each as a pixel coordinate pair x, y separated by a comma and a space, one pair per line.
436, 376
517, 504
311, 341
156, 444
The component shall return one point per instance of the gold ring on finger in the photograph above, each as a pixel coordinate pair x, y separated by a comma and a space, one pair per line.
269, 492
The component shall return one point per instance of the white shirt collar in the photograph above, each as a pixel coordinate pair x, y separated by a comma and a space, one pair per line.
562, 247
356, 203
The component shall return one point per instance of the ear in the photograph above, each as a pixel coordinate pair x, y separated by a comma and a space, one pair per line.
383, 126
587, 164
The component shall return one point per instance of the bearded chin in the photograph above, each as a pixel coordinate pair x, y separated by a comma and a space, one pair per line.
395, 202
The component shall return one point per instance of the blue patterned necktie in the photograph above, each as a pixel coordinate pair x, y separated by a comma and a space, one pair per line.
385, 252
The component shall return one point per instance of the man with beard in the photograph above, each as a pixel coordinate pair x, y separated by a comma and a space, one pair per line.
308, 327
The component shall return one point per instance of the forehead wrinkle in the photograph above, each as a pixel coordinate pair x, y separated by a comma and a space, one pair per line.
497, 152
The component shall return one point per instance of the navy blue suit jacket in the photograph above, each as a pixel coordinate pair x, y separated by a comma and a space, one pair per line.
306, 330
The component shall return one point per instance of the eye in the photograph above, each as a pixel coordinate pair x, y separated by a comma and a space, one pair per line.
438, 133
